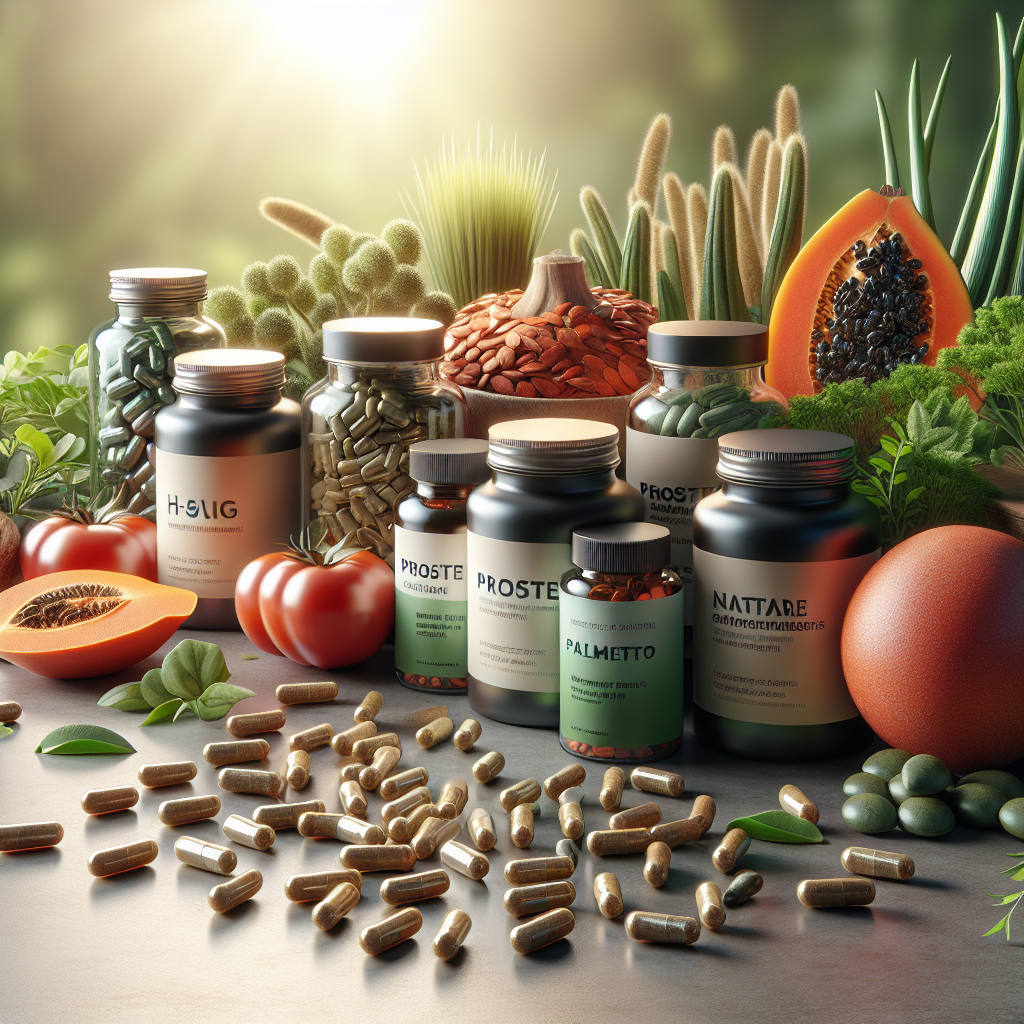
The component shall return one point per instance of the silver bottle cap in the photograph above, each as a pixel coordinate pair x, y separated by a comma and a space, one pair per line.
786, 458
553, 446
234, 371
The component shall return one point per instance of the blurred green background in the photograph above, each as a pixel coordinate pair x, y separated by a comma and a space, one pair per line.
144, 133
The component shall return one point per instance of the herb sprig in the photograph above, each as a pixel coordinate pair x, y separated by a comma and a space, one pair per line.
1017, 874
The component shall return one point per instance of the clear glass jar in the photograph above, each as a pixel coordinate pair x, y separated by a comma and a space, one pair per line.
381, 395
131, 367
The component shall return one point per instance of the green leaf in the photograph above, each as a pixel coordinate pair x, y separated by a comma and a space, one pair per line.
126, 697
192, 667
5, 730
224, 695
84, 739
162, 711
892, 171
37, 441
878, 502
777, 827
187, 707
998, 927
889, 445
250, 657
933, 116
880, 464
915, 493
1003, 900
153, 689
899, 478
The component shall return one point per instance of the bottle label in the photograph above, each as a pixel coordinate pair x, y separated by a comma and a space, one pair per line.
621, 670
513, 612
215, 515
430, 603
673, 474
766, 638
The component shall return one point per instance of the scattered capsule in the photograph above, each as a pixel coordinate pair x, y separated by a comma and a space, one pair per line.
677, 833
343, 742
657, 780
644, 926
247, 832
735, 843
422, 885
228, 895
641, 816
259, 721
401, 783
836, 892
353, 830
542, 931
432, 834
523, 792
539, 869
434, 732
406, 804
335, 905
353, 799
379, 858
188, 809
313, 738
391, 931
319, 825
464, 860
106, 801
316, 886
567, 848
383, 763
279, 816
878, 863
296, 771
526, 900
794, 801
709, 906
454, 794
609, 842
35, 835
10, 711
403, 828
351, 771
249, 780
454, 929
608, 894
235, 752
611, 788
172, 773
521, 827
197, 853
481, 829
704, 808
467, 734
369, 708
571, 775
488, 767
570, 818
123, 858
424, 716
306, 693
743, 886
659, 859
365, 748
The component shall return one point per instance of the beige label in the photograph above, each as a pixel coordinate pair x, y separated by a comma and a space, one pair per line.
766, 638
215, 515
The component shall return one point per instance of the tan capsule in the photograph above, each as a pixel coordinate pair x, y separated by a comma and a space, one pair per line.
676, 833
433, 833
454, 794
422, 885
318, 825
836, 892
406, 804
123, 858
464, 860
481, 830
539, 869
793, 800
343, 742
521, 827
296, 769
247, 832
391, 931
608, 894
488, 767
467, 734
197, 853
611, 788
426, 715
369, 709
259, 721
401, 783
188, 809
735, 843
172, 773
611, 842
523, 792
643, 926
353, 830
704, 808
279, 816
106, 801
641, 816
306, 693
351, 770
228, 895
404, 827
314, 738
454, 929
709, 906
526, 900
744, 885
10, 711
365, 748
384, 762
878, 863
353, 799
542, 931
570, 819
303, 888
335, 905
657, 780
235, 752
379, 858
571, 775
249, 780
434, 732
34, 835
659, 859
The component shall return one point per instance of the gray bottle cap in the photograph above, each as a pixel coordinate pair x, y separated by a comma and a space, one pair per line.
157, 285
233, 371
707, 343
383, 339
553, 446
455, 460
786, 458
622, 548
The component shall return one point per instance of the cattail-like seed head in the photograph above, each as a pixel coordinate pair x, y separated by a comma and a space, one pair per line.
307, 223
723, 147
256, 279
336, 244
370, 268
325, 308
405, 240
436, 306
322, 273
225, 304
787, 113
651, 165
284, 273
304, 295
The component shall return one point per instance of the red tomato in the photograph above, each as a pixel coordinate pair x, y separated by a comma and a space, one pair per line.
247, 600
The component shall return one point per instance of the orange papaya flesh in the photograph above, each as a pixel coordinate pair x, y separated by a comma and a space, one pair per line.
872, 289
88, 622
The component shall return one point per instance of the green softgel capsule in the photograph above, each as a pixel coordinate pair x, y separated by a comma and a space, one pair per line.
886, 763
865, 782
869, 813
925, 775
1009, 785
976, 804
926, 816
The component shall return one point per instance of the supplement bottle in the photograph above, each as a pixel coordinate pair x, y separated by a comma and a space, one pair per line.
621, 662
228, 459
777, 555
551, 476
430, 564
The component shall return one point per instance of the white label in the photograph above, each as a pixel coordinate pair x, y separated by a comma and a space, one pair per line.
430, 564
215, 515
673, 474
513, 612
766, 638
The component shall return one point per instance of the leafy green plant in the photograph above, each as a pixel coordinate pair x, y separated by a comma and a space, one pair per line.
84, 739
34, 468
885, 488
1012, 899
777, 827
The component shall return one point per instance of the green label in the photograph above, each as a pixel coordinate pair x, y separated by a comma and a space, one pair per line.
430, 636
621, 673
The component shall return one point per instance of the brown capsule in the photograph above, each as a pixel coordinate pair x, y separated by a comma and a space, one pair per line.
643, 926
35, 835
657, 780
188, 809
197, 853
306, 693
353, 830
296, 770
365, 748
378, 858
526, 900
391, 931
744, 885
735, 843
369, 708
836, 892
433, 833
539, 869
793, 800
542, 931
344, 741
249, 780
117, 859
704, 809
454, 794
384, 762
303, 888
434, 732
523, 792
659, 859
860, 860
404, 827
426, 715
318, 825
279, 816
608, 894
259, 721
228, 895
247, 832
641, 816
401, 783
351, 770
335, 905
10, 711
611, 788
313, 738
353, 799
570, 819
610, 842
405, 805
464, 860
235, 752
422, 885
452, 935
677, 833
172, 773
521, 826
571, 775
481, 830
106, 801
467, 734
709, 906
488, 767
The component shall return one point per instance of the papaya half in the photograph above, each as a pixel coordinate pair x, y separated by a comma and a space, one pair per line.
872, 289
88, 622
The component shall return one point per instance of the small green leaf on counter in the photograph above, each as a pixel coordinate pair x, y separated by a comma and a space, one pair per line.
250, 657
5, 730
162, 711
84, 739
218, 700
154, 690
187, 707
126, 697
777, 827
1016, 898
192, 667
